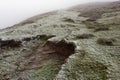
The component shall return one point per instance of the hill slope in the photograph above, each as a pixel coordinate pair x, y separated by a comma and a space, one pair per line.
64, 45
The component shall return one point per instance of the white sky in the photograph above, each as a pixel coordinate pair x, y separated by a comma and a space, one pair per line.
14, 11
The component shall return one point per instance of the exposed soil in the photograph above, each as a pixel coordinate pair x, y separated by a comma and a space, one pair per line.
51, 50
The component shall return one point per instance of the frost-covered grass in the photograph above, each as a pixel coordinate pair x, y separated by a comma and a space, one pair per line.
90, 62
48, 71
110, 18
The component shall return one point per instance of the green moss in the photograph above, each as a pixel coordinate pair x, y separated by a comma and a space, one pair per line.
48, 71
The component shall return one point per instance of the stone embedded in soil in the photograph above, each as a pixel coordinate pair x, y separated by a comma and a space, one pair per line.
61, 46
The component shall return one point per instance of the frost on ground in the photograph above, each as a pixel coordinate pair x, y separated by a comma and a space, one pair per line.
62, 46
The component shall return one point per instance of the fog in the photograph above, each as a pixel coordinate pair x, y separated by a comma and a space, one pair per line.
14, 11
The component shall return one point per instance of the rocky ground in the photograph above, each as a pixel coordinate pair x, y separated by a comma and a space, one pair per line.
66, 45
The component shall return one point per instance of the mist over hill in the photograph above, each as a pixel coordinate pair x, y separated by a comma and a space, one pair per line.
15, 11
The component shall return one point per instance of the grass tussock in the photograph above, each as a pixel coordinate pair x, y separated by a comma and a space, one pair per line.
101, 28
106, 41
69, 20
84, 36
26, 22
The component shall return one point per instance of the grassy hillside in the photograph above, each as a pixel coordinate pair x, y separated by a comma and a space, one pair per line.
82, 43
95, 10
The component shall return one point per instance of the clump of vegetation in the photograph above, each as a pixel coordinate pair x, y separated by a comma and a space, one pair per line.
10, 43
42, 37
84, 36
26, 22
89, 24
69, 20
92, 24
34, 26
101, 28
91, 19
106, 41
